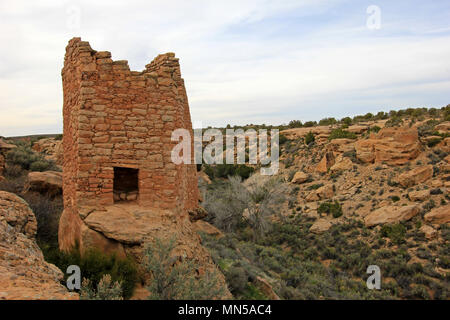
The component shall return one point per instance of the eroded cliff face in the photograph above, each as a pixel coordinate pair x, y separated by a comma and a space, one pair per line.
24, 274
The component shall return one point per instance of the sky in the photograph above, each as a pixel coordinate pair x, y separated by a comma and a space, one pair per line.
246, 61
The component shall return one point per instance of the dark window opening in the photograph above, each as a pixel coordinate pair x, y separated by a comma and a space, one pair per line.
126, 185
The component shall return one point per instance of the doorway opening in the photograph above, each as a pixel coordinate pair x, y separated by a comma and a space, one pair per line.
126, 184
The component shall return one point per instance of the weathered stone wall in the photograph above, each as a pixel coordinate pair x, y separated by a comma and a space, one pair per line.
114, 117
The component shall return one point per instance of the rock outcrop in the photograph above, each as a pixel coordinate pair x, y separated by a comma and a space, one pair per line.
300, 177
342, 164
51, 148
419, 195
439, 215
415, 176
24, 274
391, 214
48, 182
395, 146
320, 226
326, 163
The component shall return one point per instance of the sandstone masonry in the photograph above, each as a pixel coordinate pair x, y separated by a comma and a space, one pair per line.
117, 136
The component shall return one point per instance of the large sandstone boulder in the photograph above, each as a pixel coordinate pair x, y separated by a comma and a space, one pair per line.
266, 288
415, 176
300, 177
439, 215
342, 164
395, 146
322, 193
49, 182
326, 163
391, 214
24, 274
429, 231
419, 195
320, 226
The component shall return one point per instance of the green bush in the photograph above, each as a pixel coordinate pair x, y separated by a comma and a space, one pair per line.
327, 122
106, 290
340, 134
333, 208
225, 170
94, 264
26, 158
282, 139
175, 280
395, 232
309, 138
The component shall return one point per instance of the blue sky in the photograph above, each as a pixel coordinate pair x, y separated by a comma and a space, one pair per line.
250, 61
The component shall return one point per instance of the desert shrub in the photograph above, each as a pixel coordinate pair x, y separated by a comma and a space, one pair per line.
346, 121
295, 124
282, 139
395, 198
309, 124
427, 128
394, 121
14, 185
260, 196
374, 129
309, 138
13, 171
47, 211
172, 280
333, 208
26, 158
327, 121
40, 165
339, 134
237, 280
433, 142
225, 170
94, 264
106, 290
395, 232
315, 186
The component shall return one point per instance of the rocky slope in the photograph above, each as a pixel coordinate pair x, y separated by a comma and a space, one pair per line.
24, 274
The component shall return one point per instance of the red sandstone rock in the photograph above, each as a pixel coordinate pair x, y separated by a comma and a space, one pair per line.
49, 182
326, 163
391, 214
439, 215
415, 176
395, 146
51, 148
24, 275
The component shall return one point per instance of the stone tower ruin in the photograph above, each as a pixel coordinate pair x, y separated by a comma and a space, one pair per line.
117, 136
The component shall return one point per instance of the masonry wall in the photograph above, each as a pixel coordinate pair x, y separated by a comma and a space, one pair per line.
114, 117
